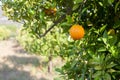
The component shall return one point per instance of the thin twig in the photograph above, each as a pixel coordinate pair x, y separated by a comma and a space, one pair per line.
55, 23
68, 12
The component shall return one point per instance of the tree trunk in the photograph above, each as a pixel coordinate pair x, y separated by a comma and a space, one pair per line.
50, 64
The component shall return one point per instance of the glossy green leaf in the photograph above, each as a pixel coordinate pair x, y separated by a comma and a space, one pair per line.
113, 40
110, 1
102, 49
78, 1
103, 28
76, 6
116, 6
105, 35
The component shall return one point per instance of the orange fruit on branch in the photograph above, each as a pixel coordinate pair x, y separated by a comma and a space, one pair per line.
77, 32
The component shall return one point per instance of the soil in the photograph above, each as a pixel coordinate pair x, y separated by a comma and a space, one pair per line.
16, 64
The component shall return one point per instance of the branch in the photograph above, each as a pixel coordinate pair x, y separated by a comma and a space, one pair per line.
55, 23
68, 12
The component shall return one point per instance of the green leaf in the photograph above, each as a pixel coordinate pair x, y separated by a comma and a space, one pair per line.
97, 74
58, 70
105, 40
82, 78
95, 60
106, 2
105, 35
111, 70
83, 74
118, 44
113, 40
117, 24
99, 39
69, 19
65, 24
75, 6
110, 1
102, 28
32, 12
118, 68
83, 10
73, 64
101, 49
98, 68
107, 76
100, 3
111, 65
112, 49
78, 1
116, 6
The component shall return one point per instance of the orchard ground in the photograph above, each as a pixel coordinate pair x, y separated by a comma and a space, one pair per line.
16, 64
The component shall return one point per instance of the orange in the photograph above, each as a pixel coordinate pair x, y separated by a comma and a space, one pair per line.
77, 32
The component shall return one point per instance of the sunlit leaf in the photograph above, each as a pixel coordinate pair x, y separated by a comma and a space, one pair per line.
75, 6
103, 28
78, 1
110, 65
110, 1
102, 49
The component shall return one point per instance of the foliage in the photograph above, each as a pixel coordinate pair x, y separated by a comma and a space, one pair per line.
96, 56
48, 45
4, 33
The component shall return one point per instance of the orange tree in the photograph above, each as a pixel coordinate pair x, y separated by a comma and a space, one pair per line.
94, 57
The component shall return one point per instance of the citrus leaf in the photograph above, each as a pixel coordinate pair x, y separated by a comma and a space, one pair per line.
103, 28
110, 65
107, 76
97, 74
113, 40
117, 24
98, 68
65, 24
111, 70
110, 1
59, 70
105, 35
101, 49
78, 1
84, 10
116, 6
75, 6
100, 3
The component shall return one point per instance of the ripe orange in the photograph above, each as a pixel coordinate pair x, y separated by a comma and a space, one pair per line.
77, 32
